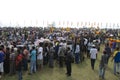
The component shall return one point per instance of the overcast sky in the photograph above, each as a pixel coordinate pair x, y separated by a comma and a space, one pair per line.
35, 12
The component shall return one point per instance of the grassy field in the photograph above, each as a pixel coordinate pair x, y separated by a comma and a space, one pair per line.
80, 71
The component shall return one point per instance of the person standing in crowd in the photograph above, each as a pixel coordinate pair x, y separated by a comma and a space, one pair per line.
18, 63
108, 51
25, 59
103, 65
68, 62
51, 56
113, 46
7, 61
81, 49
93, 55
77, 53
56, 50
45, 55
2, 55
33, 60
61, 55
12, 62
85, 45
116, 58
88, 48
40, 56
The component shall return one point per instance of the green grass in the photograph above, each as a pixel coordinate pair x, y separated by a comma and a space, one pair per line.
80, 71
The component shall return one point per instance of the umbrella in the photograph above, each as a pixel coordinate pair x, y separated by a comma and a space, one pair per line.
20, 46
111, 35
47, 40
60, 38
38, 41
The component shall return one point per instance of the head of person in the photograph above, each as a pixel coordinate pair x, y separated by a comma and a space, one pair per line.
68, 49
117, 48
33, 47
40, 44
25, 47
104, 52
46, 44
107, 44
12, 49
18, 51
1, 48
7, 49
93, 46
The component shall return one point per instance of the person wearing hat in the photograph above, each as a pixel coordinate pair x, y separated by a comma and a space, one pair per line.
93, 55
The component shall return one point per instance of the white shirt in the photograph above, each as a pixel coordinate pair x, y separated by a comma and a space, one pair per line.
40, 56
85, 42
77, 50
93, 52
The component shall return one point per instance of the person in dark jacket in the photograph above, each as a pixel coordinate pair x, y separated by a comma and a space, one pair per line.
68, 62
51, 56
108, 51
103, 64
7, 61
61, 56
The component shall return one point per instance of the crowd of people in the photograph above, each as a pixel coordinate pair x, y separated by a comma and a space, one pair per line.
43, 47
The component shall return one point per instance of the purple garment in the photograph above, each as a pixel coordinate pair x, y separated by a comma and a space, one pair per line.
1, 56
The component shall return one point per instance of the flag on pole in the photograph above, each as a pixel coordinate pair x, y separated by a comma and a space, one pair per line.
117, 25
36, 22
94, 23
63, 23
101, 24
81, 23
85, 24
71, 23
113, 25
67, 23
24, 23
110, 25
47, 23
77, 24
106, 25
59, 23
89, 23
98, 24
43, 23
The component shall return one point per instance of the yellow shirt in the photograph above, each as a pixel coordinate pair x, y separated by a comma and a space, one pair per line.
115, 52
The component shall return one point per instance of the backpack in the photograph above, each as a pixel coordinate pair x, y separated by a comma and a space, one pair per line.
19, 58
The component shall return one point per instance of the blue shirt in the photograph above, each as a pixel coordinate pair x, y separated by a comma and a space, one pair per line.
117, 57
1, 56
33, 55
113, 45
